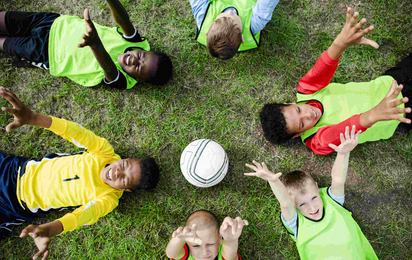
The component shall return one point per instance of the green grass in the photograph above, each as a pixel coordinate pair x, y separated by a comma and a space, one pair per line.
219, 100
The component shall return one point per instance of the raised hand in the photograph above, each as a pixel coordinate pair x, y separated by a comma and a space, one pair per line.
388, 108
188, 234
41, 238
348, 142
262, 171
91, 38
231, 229
22, 114
353, 34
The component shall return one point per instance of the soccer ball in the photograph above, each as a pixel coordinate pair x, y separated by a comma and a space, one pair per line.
204, 163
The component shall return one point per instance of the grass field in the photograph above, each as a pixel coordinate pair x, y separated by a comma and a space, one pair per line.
219, 100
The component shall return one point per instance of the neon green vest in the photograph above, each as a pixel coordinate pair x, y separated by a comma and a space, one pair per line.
343, 101
219, 256
244, 10
335, 236
79, 64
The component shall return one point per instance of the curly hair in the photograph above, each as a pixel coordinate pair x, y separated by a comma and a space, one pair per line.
149, 174
164, 70
224, 38
274, 123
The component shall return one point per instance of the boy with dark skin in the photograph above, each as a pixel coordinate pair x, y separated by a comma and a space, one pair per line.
323, 110
51, 41
91, 181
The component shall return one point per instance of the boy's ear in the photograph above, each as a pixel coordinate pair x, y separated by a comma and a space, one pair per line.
297, 135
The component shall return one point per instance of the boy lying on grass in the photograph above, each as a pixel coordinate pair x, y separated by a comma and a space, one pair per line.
229, 26
53, 42
324, 110
315, 218
201, 238
92, 181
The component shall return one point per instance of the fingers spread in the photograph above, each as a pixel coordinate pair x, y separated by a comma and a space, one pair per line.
366, 41
348, 15
251, 167
46, 255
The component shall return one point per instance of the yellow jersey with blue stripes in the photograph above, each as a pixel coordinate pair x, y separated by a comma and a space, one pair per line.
59, 181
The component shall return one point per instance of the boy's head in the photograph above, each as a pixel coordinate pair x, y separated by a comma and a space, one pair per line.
208, 231
282, 122
305, 194
130, 174
152, 67
225, 35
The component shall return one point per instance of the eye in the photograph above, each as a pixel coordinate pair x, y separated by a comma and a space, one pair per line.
298, 110
301, 205
314, 197
209, 244
302, 124
196, 246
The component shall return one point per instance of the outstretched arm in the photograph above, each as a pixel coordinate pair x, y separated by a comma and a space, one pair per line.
230, 230
340, 168
91, 38
121, 17
22, 114
278, 188
321, 74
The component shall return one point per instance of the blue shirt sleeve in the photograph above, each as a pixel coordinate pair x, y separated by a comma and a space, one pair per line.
261, 14
199, 8
292, 224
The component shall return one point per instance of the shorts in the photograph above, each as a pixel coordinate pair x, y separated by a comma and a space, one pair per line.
11, 213
28, 36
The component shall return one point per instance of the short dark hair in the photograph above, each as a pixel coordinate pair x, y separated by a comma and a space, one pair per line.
274, 123
224, 38
164, 70
150, 174
297, 181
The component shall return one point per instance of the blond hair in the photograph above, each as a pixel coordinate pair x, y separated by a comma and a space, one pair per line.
223, 38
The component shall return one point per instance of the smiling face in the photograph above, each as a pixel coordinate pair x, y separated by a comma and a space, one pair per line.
300, 117
309, 203
122, 175
138, 63
209, 248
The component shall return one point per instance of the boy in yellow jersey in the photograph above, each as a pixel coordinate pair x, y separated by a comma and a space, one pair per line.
202, 239
92, 181
316, 218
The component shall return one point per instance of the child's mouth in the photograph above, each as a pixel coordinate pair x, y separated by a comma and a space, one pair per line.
315, 214
126, 59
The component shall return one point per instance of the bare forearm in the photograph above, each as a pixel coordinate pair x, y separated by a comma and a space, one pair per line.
336, 49
105, 61
284, 198
339, 172
175, 248
121, 17
229, 249
367, 119
53, 228
40, 120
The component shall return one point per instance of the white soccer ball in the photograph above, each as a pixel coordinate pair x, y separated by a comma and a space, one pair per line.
204, 163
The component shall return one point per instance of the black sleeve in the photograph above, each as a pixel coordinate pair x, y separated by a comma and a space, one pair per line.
119, 83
